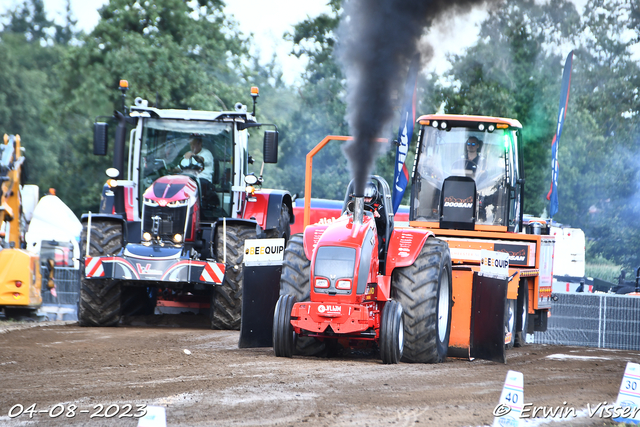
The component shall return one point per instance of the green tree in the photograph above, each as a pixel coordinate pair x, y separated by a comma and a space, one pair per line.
320, 112
601, 163
174, 54
30, 47
510, 72
514, 70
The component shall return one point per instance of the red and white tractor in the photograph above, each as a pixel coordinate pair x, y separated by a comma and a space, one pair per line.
170, 232
359, 280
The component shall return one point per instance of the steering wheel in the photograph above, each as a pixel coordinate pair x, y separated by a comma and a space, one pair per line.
191, 164
351, 204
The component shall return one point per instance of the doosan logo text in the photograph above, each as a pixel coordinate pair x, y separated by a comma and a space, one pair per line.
458, 205
452, 202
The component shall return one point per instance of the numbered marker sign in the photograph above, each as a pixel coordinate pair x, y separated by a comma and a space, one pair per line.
507, 413
629, 395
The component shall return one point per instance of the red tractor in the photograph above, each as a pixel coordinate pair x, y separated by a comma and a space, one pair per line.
478, 288
170, 233
360, 280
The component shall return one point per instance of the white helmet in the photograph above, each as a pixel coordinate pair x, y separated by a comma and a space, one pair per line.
371, 191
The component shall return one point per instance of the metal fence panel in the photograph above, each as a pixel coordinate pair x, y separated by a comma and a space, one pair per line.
593, 320
67, 282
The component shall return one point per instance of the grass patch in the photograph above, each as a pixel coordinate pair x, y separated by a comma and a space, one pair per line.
606, 272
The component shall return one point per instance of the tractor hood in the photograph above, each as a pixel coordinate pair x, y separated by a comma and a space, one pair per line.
171, 209
171, 188
342, 260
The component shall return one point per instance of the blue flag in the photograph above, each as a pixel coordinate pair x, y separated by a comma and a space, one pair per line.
405, 133
562, 111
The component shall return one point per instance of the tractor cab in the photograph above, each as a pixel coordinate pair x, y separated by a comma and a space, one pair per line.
468, 175
164, 147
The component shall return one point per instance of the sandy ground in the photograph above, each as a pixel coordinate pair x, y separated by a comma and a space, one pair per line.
202, 378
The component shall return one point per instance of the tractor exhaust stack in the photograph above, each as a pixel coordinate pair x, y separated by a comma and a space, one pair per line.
358, 210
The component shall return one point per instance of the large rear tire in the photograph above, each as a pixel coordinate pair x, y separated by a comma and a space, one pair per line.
391, 333
522, 320
100, 300
226, 300
283, 230
283, 334
424, 291
294, 280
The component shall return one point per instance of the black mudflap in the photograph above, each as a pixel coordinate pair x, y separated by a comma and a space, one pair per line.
487, 318
261, 289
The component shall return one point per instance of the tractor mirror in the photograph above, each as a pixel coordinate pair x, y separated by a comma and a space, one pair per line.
100, 140
270, 147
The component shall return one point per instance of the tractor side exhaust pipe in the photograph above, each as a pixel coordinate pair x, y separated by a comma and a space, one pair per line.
358, 210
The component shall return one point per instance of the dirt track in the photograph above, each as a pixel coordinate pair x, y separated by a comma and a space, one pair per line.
219, 384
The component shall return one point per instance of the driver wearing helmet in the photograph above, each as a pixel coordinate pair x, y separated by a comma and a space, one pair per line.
373, 203
371, 199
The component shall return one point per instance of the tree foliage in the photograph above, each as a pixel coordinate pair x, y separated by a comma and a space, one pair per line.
55, 80
515, 69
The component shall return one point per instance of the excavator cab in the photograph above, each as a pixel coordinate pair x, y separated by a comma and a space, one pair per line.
468, 174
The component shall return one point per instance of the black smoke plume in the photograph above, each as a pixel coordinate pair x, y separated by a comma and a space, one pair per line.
377, 40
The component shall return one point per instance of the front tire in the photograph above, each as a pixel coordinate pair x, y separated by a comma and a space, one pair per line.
424, 291
391, 333
226, 299
294, 280
283, 334
100, 300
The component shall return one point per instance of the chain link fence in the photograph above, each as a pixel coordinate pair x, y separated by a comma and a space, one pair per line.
63, 306
593, 320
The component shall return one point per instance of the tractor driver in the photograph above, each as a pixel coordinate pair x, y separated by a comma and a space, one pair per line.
472, 159
373, 203
203, 157
371, 199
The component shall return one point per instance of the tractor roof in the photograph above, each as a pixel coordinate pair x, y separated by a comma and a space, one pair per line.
473, 119
139, 111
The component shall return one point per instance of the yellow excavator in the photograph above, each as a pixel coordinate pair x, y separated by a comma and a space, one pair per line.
20, 278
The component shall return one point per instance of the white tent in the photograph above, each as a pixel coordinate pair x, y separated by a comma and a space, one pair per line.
53, 220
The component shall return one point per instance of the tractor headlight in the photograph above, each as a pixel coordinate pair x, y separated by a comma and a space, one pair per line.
177, 203
177, 238
150, 202
322, 282
146, 236
250, 190
344, 284
251, 179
